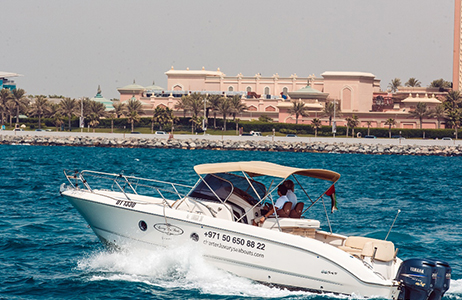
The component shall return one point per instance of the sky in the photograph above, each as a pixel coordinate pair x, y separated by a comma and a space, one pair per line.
70, 47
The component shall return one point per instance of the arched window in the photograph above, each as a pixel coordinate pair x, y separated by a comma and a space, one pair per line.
230, 89
284, 91
249, 89
346, 98
177, 88
267, 90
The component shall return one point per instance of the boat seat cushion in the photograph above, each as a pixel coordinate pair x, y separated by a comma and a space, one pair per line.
365, 247
297, 211
284, 212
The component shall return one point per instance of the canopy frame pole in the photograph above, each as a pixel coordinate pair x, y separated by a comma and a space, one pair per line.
319, 198
327, 216
309, 198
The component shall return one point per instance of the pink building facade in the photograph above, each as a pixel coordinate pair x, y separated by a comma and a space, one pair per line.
358, 93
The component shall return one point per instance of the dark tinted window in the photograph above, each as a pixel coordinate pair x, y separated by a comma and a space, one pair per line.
222, 185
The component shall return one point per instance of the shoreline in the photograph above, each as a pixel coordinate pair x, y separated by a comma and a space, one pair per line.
310, 145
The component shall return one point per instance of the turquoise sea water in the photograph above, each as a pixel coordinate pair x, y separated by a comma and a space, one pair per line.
48, 252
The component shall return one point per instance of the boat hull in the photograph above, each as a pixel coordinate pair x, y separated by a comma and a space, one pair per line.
260, 254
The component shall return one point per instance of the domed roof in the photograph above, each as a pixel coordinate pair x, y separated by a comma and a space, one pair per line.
132, 87
307, 93
99, 98
154, 87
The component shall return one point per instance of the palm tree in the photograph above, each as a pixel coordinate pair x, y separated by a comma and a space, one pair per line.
224, 108
58, 120
134, 108
438, 113
390, 122
68, 107
298, 109
441, 84
182, 104
348, 122
237, 106
394, 84
195, 103
5, 96
421, 112
369, 123
453, 119
20, 101
316, 124
11, 110
412, 82
39, 108
213, 102
162, 116
119, 109
453, 100
97, 110
352, 122
195, 122
329, 110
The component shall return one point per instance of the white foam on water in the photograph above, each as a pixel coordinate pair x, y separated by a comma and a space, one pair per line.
455, 289
176, 268
182, 267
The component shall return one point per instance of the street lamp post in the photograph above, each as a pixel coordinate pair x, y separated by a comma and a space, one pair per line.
204, 127
81, 115
334, 124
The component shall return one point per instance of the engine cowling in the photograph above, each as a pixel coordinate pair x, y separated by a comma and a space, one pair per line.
423, 279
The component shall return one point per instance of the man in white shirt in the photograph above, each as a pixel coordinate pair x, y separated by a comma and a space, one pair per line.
282, 191
289, 184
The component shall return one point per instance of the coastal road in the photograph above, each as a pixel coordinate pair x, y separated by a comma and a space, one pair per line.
242, 138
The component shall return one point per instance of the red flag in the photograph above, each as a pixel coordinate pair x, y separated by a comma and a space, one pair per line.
331, 192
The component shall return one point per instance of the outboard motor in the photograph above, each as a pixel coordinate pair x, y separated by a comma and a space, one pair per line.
441, 279
415, 276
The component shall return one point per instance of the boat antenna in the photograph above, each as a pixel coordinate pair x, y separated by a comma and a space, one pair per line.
399, 210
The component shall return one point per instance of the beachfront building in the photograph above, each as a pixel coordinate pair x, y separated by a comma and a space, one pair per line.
6, 82
99, 98
457, 58
357, 93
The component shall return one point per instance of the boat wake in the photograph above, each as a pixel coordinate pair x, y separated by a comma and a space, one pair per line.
455, 290
180, 268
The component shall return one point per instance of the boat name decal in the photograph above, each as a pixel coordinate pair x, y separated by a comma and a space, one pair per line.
125, 203
328, 272
226, 241
168, 229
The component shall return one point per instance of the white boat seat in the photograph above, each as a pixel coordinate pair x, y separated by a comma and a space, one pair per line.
301, 227
365, 247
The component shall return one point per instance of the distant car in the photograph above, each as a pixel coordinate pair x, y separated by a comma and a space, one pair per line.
39, 129
18, 129
446, 138
160, 132
291, 135
398, 137
370, 137
246, 134
135, 132
48, 130
256, 133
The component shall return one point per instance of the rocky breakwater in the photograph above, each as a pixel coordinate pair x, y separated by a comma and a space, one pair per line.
249, 145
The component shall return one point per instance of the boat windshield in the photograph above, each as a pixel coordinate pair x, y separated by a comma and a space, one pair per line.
222, 184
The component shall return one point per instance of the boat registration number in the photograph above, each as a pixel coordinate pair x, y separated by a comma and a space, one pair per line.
234, 240
126, 203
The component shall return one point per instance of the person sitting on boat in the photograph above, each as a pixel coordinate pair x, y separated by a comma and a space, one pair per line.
282, 191
289, 184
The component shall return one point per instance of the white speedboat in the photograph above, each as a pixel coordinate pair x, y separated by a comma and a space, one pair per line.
221, 214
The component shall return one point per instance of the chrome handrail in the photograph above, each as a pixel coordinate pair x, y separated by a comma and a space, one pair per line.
121, 182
